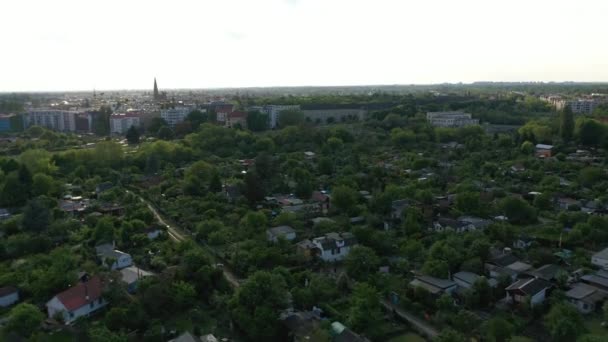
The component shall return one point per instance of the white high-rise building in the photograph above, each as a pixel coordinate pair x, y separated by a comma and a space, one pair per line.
121, 122
174, 116
57, 120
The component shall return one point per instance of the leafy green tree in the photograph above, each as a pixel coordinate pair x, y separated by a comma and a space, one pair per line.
37, 161
566, 123
196, 118
436, 268
132, 135
344, 198
36, 215
527, 147
24, 319
42, 184
257, 121
590, 176
103, 334
256, 305
215, 184
291, 117
469, 203
365, 312
498, 329
564, 322
518, 211
449, 335
155, 124
184, 295
325, 166
589, 132
165, 133
362, 262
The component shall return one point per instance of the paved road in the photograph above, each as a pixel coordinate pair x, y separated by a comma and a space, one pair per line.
178, 235
420, 325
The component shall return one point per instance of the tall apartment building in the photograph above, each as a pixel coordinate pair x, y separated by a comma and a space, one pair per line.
121, 122
273, 112
581, 106
451, 119
174, 116
57, 120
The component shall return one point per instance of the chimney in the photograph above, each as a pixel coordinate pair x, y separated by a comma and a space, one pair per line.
86, 291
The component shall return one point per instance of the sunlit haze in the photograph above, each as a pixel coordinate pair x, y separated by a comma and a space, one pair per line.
118, 44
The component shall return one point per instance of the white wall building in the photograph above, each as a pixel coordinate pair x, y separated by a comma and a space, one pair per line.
57, 120
79, 300
174, 116
451, 119
120, 259
334, 246
121, 122
8, 296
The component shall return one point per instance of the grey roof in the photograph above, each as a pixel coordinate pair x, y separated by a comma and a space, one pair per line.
186, 337
603, 254
467, 277
281, 230
595, 279
438, 282
108, 251
132, 273
529, 286
519, 266
504, 260
580, 291
546, 272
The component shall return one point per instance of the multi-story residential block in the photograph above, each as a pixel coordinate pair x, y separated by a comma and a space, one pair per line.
273, 112
57, 120
451, 119
5, 122
121, 122
236, 119
174, 116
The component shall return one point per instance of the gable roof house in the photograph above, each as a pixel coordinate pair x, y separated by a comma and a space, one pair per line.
131, 275
547, 272
435, 286
585, 298
534, 288
106, 253
8, 296
285, 232
467, 279
600, 259
80, 300
334, 246
598, 279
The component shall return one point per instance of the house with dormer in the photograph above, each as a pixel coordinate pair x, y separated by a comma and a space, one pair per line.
334, 246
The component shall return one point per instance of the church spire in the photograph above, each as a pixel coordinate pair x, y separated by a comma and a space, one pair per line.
156, 94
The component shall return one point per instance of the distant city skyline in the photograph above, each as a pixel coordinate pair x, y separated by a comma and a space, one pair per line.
68, 45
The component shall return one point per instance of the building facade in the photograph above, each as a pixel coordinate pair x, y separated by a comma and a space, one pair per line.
174, 116
273, 112
57, 120
121, 122
451, 119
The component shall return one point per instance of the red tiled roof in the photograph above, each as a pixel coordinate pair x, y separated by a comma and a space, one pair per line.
225, 108
319, 196
76, 296
238, 114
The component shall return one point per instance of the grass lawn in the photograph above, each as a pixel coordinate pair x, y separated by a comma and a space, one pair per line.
594, 326
521, 339
409, 337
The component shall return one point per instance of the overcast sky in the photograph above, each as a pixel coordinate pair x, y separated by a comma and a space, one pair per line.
124, 44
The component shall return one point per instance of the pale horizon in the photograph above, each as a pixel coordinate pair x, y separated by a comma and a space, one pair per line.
68, 45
